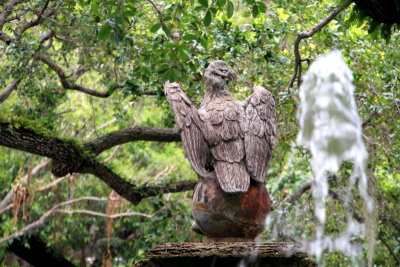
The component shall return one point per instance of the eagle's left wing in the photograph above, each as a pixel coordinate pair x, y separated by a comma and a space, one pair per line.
189, 125
260, 132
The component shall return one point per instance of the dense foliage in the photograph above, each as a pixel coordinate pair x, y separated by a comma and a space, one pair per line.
82, 69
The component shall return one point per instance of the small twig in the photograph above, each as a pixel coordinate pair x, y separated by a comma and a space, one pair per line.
110, 216
35, 22
113, 154
348, 208
47, 36
50, 185
296, 195
7, 208
8, 9
16, 17
45, 216
397, 258
155, 7
35, 170
302, 35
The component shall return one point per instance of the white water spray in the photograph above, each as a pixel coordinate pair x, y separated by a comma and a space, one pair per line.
331, 130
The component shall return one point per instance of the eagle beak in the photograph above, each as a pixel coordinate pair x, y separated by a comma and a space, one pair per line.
231, 75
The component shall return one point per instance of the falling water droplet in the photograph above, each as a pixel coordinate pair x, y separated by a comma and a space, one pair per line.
331, 130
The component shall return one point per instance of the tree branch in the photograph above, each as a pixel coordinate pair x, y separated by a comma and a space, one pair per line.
35, 170
16, 17
296, 195
5, 37
36, 252
64, 79
155, 7
397, 258
302, 35
8, 9
132, 134
182, 186
50, 185
110, 216
114, 181
69, 157
6, 208
35, 22
44, 217
7, 92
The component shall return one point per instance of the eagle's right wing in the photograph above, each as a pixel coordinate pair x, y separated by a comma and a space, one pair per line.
189, 125
260, 132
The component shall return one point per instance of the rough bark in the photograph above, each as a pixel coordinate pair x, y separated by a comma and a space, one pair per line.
226, 254
37, 253
66, 155
69, 157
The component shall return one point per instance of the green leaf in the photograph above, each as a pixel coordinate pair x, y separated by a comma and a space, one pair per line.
166, 30
262, 7
177, 73
221, 3
155, 27
117, 34
203, 43
189, 37
104, 32
203, 3
207, 18
255, 11
230, 9
183, 53
192, 67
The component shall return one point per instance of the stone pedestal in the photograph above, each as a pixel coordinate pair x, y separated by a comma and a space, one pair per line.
219, 254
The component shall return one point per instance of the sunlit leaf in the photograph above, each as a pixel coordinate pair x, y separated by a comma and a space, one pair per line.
104, 32
155, 27
189, 37
221, 3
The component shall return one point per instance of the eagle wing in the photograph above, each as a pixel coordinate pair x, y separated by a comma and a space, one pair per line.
222, 117
189, 125
260, 132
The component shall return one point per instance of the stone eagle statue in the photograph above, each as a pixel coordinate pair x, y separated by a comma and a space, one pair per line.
226, 139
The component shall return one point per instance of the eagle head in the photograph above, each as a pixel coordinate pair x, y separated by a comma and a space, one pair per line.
216, 75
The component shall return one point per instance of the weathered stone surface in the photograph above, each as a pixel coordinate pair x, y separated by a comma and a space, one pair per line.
226, 254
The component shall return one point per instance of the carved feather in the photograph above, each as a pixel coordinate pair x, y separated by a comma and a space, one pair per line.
237, 138
232, 177
260, 137
189, 124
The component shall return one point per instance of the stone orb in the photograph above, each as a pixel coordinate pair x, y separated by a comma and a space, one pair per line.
221, 215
